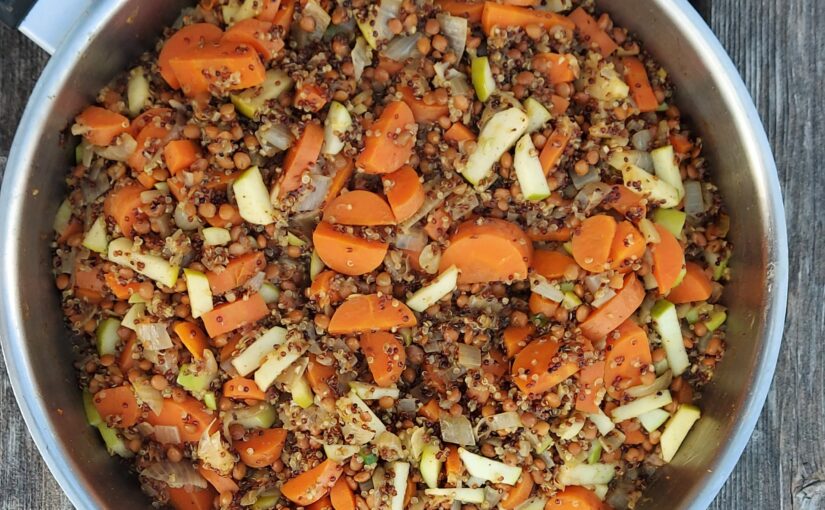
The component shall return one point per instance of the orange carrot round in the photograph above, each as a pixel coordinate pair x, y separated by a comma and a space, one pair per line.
191, 499
591, 382
552, 264
422, 112
390, 141
312, 485
124, 206
695, 286
519, 493
531, 366
360, 208
557, 68
150, 141
237, 272
321, 288
514, 16
103, 125
190, 36
603, 320
118, 406
488, 250
341, 496
262, 448
346, 253
371, 312
515, 338
219, 482
200, 68
574, 498
303, 154
404, 192
458, 133
628, 247
626, 202
668, 260
230, 316
258, 34
189, 416
541, 305
385, 356
322, 504
592, 242
241, 388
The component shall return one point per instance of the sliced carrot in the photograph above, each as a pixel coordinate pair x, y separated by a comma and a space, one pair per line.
320, 377
283, 17
341, 496
300, 157
218, 481
488, 250
602, 321
237, 272
150, 141
453, 466
552, 151
519, 493
404, 191
241, 388
391, 66
321, 288
346, 253
640, 89
390, 141
668, 260
552, 264
232, 66
179, 155
121, 290
458, 133
681, 143
233, 219
118, 406
230, 316
515, 338
126, 360
257, 34
385, 355
695, 286
164, 115
422, 112
322, 504
628, 247
124, 206
89, 284
438, 223
627, 202
310, 97
574, 498
494, 365
193, 337
312, 485
530, 372
230, 350
463, 9
190, 412
591, 383
507, 16
360, 208
559, 104
269, 10
177, 189
557, 68
592, 242
561, 234
340, 179
190, 36
541, 305
185, 498
102, 126
431, 410
262, 448
591, 33
370, 312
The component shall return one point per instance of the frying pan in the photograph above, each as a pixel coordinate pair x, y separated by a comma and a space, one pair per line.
92, 41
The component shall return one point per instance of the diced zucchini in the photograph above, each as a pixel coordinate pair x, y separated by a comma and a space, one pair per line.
278, 361
192, 380
262, 416
488, 469
659, 190
716, 319
600, 490
361, 425
252, 357
673, 220
497, 136
301, 392
92, 416
131, 317
62, 217
269, 292
114, 443
200, 294
482, 77
337, 123
544, 444
216, 236
250, 101
661, 366
136, 298
340, 452
461, 494
654, 419
443, 285
400, 474
602, 422
664, 161
293, 240
595, 452
586, 474
137, 91
96, 238
571, 300
372, 392
368, 33
692, 315
677, 429
430, 465
267, 500
107, 337
719, 266
530, 175
209, 400
316, 265
608, 85
121, 251
666, 323
537, 115
641, 406
252, 196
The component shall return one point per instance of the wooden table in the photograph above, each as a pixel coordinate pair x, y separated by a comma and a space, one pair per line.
779, 47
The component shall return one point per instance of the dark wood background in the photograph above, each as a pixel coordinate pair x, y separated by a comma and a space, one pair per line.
779, 48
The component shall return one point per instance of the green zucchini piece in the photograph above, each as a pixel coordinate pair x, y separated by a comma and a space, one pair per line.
482, 77
537, 115
677, 430
121, 251
92, 416
337, 123
497, 136
673, 220
200, 294
666, 323
664, 162
529, 172
443, 285
250, 102
193, 381
637, 179
430, 465
114, 443
96, 238
252, 196
654, 419
716, 319
107, 337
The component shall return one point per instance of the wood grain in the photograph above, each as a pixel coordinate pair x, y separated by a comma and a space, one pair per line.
779, 48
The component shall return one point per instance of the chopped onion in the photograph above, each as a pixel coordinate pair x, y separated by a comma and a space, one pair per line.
215, 453
414, 239
183, 220
434, 196
388, 445
147, 394
496, 422
407, 405
153, 336
694, 202
541, 286
591, 195
166, 434
457, 430
361, 56
388, 10
594, 281
123, 148
175, 474
641, 139
322, 21
469, 356
430, 258
455, 29
340, 452
661, 383
402, 48
96, 187
602, 296
275, 136
579, 181
314, 197
459, 85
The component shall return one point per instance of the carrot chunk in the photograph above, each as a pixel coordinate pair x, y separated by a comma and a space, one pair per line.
188, 37
531, 366
628, 358
303, 154
515, 338
230, 316
602, 321
627, 202
310, 486
404, 191
695, 286
385, 355
371, 312
241, 388
192, 337
237, 272
124, 206
592, 242
423, 112
463, 9
519, 493
262, 448
179, 155
346, 253
628, 247
118, 406
639, 84
488, 250
591, 384
257, 34
557, 68
458, 133
189, 416
507, 16
553, 149
574, 498
668, 260
359, 207
340, 179
591, 32
552, 264
390, 140
541, 305
101, 126
219, 482
222, 64
341, 496
191, 499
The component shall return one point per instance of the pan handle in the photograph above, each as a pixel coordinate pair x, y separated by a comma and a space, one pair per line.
46, 22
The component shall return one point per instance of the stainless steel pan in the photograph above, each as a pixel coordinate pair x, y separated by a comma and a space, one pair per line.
108, 34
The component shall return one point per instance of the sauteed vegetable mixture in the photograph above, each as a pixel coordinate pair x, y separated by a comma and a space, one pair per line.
392, 255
